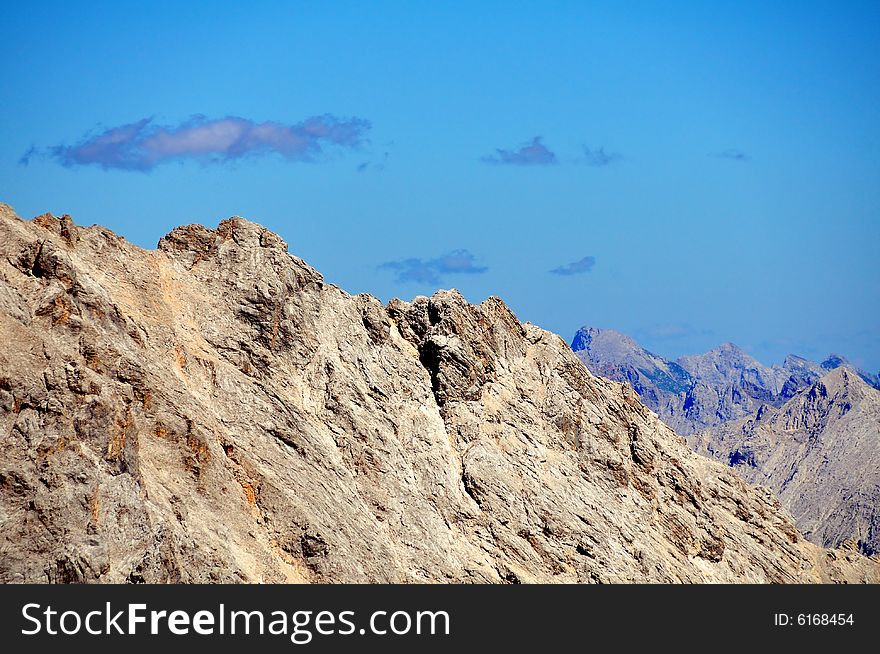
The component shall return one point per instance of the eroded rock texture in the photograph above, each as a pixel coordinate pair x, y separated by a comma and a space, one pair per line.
214, 411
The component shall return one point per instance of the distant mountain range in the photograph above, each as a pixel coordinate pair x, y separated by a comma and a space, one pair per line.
820, 452
703, 390
809, 431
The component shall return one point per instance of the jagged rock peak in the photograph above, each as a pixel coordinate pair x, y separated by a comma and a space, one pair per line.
585, 336
833, 361
241, 231
839, 383
724, 358
795, 363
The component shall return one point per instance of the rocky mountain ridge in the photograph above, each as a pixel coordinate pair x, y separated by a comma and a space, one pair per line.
808, 431
700, 391
820, 452
213, 410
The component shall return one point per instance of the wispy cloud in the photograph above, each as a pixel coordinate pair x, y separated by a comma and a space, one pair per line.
143, 145
431, 271
28, 155
579, 267
733, 155
533, 153
598, 156
376, 165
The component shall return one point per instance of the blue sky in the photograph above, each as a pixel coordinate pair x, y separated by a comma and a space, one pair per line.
689, 173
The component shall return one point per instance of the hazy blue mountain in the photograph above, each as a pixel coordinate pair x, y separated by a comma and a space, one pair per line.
836, 361
819, 452
703, 390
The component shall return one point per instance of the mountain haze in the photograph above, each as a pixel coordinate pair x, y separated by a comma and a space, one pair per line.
809, 431
700, 391
820, 452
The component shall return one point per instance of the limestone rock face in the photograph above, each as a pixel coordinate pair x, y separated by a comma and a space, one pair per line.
820, 452
214, 411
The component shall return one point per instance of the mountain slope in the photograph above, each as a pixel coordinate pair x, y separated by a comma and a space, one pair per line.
689, 394
214, 411
662, 385
820, 452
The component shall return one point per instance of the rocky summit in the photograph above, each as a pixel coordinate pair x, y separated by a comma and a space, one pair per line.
214, 411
